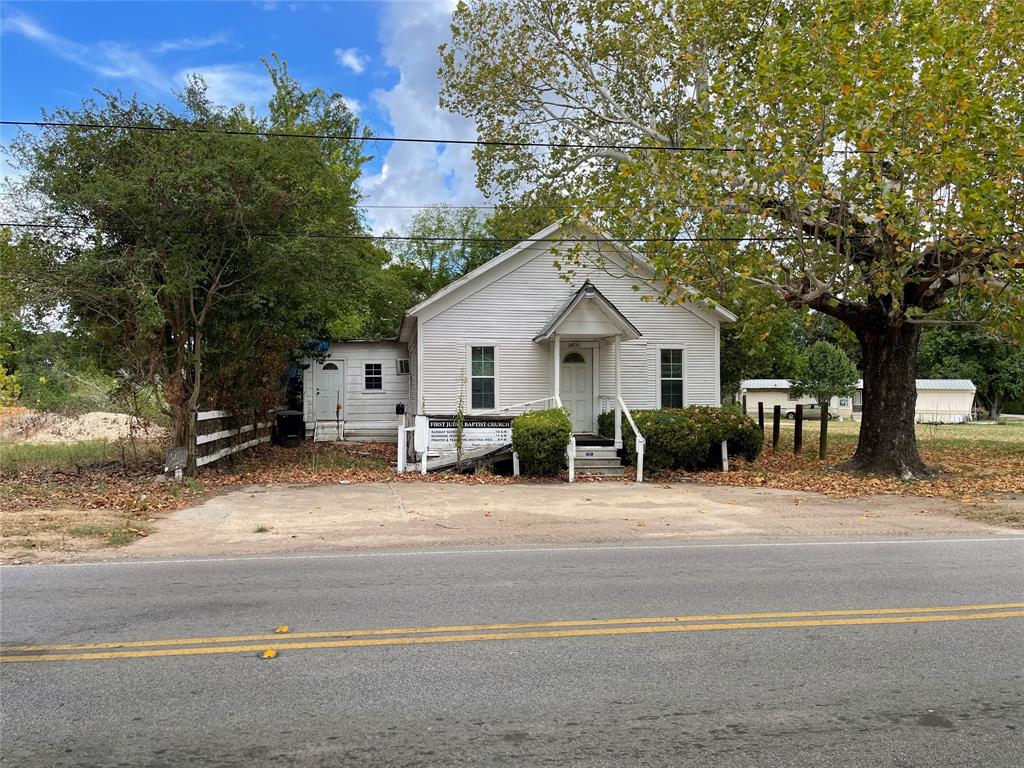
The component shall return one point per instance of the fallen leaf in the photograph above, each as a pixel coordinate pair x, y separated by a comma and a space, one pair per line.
270, 653
282, 629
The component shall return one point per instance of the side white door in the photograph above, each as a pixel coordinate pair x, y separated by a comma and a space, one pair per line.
330, 392
577, 388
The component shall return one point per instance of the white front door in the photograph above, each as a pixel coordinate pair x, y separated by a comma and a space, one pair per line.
330, 392
577, 388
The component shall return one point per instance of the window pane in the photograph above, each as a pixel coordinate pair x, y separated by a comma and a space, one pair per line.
672, 363
672, 393
374, 378
483, 393
482, 361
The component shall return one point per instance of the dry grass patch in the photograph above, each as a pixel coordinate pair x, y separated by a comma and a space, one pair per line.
28, 532
974, 463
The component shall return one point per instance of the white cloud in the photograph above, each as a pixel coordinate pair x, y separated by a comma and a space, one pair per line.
418, 174
227, 84
113, 60
231, 84
354, 105
352, 58
189, 44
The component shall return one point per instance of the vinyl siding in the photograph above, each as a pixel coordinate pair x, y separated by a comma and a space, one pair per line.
510, 311
369, 415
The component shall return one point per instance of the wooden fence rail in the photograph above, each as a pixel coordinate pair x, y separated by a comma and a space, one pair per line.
220, 434
217, 435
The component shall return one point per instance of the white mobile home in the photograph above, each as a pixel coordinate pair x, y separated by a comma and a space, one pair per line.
517, 334
772, 392
939, 401
945, 401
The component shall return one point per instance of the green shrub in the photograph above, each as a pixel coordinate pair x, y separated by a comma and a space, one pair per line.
606, 424
540, 438
688, 438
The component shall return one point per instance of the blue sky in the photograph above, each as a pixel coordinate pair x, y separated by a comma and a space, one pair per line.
382, 56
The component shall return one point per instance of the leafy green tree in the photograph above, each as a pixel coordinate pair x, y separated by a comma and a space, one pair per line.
192, 258
453, 241
862, 158
993, 363
825, 373
445, 249
762, 345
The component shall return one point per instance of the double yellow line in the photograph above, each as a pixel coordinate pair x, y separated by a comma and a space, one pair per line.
463, 633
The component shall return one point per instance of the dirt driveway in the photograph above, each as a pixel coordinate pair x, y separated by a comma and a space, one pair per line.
383, 515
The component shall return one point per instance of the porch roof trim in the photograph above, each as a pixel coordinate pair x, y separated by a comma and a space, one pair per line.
589, 291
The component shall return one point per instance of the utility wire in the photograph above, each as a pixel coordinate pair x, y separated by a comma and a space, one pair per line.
404, 139
443, 239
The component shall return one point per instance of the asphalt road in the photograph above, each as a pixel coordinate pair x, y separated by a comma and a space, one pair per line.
719, 679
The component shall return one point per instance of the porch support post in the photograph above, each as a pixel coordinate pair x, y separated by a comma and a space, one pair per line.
618, 392
556, 346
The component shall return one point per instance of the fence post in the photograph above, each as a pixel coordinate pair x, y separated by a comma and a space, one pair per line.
776, 418
760, 416
823, 433
515, 464
725, 455
190, 444
640, 443
798, 430
570, 451
401, 444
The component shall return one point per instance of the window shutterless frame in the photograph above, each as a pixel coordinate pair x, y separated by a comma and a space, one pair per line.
373, 377
671, 362
482, 359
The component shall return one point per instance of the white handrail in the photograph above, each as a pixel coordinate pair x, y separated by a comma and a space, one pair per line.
518, 405
640, 441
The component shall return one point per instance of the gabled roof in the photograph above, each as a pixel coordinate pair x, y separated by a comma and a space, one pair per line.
589, 291
546, 233
485, 268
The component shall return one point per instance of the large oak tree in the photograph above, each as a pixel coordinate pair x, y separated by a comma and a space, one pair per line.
861, 158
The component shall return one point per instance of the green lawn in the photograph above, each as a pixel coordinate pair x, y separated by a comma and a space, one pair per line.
1008, 435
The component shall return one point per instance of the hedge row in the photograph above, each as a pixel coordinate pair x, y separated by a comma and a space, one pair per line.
688, 438
540, 439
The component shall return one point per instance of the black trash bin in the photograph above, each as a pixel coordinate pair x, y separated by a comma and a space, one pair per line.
289, 428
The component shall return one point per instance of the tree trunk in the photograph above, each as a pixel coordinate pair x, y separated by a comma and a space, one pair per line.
997, 407
888, 443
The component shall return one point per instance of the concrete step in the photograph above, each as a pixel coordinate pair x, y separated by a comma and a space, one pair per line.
596, 452
327, 432
618, 471
601, 463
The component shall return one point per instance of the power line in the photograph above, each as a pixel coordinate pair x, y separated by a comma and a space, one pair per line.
443, 239
405, 139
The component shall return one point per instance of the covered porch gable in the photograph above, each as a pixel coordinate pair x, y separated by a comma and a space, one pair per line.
575, 335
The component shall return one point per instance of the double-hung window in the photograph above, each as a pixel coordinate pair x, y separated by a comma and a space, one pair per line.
482, 378
373, 376
671, 364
